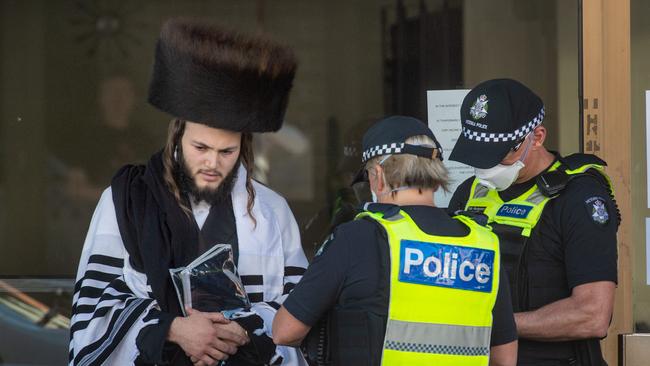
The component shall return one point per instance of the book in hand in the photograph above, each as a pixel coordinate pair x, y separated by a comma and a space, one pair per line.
210, 283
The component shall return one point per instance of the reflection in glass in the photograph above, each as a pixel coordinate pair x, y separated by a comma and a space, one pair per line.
73, 106
27, 323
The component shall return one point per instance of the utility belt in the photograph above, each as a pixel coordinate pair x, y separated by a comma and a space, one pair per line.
348, 337
588, 353
316, 345
584, 352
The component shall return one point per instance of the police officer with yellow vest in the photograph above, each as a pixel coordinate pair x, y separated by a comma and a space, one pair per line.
556, 219
404, 283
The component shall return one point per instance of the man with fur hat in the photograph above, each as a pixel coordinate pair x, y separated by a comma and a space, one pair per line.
555, 217
220, 87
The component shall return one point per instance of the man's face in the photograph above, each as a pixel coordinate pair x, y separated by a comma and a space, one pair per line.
209, 154
517, 152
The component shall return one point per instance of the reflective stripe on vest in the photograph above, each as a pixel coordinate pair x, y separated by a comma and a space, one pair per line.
442, 291
524, 211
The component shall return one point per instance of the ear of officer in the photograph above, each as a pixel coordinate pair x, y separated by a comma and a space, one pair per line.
538, 158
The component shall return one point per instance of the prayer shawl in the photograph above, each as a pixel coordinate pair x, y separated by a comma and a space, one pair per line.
113, 302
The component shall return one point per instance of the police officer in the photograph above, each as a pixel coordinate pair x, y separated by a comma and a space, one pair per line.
555, 217
404, 283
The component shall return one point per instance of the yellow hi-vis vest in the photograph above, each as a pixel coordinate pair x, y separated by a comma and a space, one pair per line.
442, 291
524, 211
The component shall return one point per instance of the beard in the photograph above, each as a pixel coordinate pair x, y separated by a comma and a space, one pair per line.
185, 179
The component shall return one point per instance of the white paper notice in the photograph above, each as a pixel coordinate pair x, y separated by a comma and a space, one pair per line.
647, 143
647, 250
443, 108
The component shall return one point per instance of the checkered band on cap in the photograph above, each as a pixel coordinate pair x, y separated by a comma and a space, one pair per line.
385, 149
504, 137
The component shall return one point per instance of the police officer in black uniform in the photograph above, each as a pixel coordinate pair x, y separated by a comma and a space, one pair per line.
556, 219
344, 294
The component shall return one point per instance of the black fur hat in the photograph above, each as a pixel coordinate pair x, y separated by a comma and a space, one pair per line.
206, 74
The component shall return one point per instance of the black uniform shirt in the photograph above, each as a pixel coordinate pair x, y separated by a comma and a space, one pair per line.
577, 232
347, 272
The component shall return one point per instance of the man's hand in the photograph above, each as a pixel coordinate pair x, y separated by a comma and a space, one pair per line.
198, 336
231, 333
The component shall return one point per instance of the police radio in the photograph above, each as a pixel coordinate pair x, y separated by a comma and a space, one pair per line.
552, 183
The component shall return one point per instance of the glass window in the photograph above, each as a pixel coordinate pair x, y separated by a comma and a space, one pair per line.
640, 69
73, 104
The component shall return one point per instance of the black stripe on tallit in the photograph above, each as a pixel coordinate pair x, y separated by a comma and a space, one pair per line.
252, 280
106, 260
97, 276
294, 271
98, 313
127, 316
96, 292
90, 292
256, 297
288, 287
84, 309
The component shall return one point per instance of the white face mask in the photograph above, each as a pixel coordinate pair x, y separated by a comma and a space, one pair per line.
502, 176
499, 177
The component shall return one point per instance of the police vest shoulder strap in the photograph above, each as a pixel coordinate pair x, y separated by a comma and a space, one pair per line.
364, 214
553, 182
471, 219
482, 232
478, 190
577, 165
477, 217
384, 211
576, 161
597, 171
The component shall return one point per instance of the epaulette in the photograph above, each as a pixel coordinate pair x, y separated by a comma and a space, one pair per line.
387, 209
575, 161
554, 182
479, 218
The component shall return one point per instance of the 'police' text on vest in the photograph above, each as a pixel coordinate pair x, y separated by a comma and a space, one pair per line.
444, 265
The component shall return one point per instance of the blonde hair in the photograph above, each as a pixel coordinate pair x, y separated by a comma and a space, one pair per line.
413, 171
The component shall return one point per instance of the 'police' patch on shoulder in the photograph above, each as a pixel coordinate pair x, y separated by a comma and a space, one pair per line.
597, 208
324, 245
